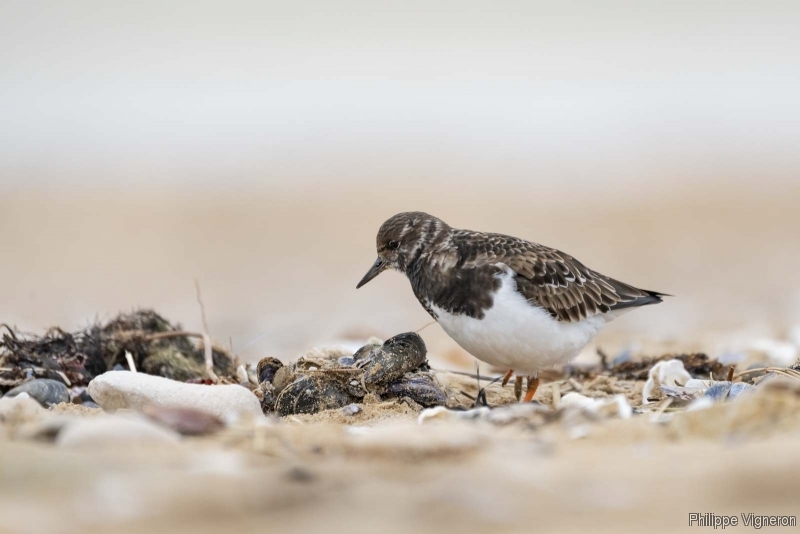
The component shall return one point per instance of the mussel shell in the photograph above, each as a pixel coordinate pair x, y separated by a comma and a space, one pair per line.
346, 361
726, 390
420, 388
391, 361
266, 369
312, 394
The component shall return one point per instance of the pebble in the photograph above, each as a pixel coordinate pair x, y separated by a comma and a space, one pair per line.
117, 390
47, 392
114, 430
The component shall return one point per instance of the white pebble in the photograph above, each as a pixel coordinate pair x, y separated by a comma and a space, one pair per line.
117, 390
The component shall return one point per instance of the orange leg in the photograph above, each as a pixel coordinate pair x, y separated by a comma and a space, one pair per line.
533, 385
507, 377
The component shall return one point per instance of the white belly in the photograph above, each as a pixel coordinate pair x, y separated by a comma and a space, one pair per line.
514, 334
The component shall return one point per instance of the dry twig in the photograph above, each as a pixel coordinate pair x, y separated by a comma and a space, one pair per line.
209, 351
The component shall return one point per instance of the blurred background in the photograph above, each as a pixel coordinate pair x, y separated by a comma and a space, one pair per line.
257, 146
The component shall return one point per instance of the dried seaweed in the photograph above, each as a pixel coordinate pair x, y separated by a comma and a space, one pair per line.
155, 345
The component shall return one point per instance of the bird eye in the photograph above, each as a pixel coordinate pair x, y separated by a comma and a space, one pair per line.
392, 245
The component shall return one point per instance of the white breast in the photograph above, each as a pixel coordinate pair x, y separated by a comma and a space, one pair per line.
516, 335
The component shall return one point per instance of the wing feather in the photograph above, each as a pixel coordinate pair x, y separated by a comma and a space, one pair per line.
556, 281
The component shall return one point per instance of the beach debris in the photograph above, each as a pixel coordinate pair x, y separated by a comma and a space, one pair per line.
127, 430
668, 373
48, 392
319, 381
696, 364
116, 390
140, 340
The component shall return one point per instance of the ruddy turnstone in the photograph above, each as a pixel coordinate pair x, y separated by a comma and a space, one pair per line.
509, 302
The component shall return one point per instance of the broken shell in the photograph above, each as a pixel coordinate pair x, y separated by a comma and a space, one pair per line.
347, 361
722, 390
266, 396
283, 377
391, 361
266, 369
420, 388
668, 373
364, 351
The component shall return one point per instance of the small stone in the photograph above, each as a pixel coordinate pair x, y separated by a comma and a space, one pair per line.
114, 391
118, 430
47, 392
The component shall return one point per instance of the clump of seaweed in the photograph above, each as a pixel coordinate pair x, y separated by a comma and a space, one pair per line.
142, 338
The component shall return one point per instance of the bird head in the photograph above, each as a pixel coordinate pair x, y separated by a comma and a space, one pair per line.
401, 240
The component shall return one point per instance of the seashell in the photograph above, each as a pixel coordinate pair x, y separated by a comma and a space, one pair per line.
668, 373
283, 377
346, 361
738, 388
47, 392
266, 369
312, 394
722, 390
421, 388
392, 360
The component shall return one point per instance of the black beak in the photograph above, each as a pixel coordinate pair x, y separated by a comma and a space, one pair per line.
376, 269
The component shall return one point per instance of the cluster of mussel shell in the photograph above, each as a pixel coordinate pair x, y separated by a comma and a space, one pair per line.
397, 368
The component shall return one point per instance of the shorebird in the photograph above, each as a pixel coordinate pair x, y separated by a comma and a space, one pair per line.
512, 303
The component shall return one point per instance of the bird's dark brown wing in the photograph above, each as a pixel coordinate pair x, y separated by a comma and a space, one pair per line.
556, 281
